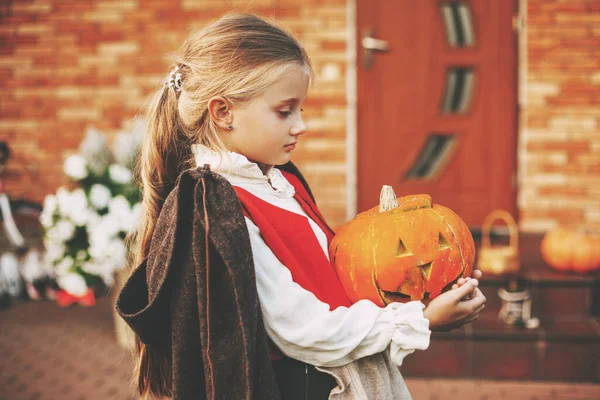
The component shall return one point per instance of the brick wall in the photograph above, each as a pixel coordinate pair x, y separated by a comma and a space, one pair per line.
68, 64
560, 152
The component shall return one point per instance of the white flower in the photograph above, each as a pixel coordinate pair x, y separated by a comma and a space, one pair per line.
72, 205
54, 250
46, 220
75, 167
109, 225
63, 198
117, 252
79, 206
72, 283
98, 246
50, 204
64, 265
81, 255
96, 152
92, 220
120, 174
103, 269
99, 196
90, 268
101, 235
108, 277
119, 206
62, 231
127, 223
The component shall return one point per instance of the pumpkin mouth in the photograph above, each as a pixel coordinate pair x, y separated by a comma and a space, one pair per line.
392, 297
398, 297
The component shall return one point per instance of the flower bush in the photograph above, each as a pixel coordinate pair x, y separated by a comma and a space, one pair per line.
85, 224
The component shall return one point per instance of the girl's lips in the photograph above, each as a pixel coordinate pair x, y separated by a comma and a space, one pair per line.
290, 146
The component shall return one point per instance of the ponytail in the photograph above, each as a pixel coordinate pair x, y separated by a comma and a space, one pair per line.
158, 167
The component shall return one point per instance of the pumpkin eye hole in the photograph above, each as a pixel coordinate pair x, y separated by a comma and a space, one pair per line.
443, 243
402, 250
426, 269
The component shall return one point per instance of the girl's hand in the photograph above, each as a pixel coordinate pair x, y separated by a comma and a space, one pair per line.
450, 311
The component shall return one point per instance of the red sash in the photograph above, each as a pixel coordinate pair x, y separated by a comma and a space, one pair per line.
292, 240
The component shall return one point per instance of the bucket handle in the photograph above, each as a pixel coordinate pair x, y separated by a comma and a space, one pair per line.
510, 222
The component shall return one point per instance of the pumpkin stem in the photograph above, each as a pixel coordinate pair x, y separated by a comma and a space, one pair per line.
387, 199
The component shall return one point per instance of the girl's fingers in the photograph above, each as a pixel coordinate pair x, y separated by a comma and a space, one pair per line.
464, 291
479, 309
477, 299
472, 318
478, 293
461, 281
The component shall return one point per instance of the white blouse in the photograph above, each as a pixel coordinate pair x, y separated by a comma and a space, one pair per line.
299, 324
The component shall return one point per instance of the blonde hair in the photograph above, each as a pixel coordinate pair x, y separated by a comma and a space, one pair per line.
238, 57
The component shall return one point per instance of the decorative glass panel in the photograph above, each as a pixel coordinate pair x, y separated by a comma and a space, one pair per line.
459, 24
434, 155
459, 90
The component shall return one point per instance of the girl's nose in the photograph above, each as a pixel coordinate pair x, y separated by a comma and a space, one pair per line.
299, 128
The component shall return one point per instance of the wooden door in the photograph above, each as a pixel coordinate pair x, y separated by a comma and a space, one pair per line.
437, 111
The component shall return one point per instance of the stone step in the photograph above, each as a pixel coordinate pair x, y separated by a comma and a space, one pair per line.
567, 350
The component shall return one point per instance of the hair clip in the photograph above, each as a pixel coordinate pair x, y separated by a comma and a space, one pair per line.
174, 80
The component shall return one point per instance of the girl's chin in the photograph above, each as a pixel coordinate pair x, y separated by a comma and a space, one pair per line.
266, 164
285, 159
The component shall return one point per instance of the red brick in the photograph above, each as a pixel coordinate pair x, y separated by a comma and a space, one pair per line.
73, 7
541, 19
19, 19
567, 170
537, 121
566, 191
329, 46
564, 215
574, 100
576, 7
94, 37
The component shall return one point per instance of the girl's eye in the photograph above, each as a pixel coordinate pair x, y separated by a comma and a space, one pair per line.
285, 113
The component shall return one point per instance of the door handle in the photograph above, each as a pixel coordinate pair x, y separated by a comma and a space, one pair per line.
371, 45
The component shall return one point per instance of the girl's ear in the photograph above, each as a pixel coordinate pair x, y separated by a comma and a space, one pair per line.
220, 110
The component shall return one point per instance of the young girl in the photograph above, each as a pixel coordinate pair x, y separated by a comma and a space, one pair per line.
234, 296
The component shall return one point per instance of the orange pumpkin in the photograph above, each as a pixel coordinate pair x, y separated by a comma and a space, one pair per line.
405, 249
567, 250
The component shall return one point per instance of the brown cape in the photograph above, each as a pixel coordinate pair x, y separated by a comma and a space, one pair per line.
214, 331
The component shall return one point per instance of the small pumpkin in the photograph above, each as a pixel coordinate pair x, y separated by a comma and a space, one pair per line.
404, 249
567, 250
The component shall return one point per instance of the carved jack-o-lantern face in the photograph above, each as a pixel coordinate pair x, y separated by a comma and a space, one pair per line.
410, 252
